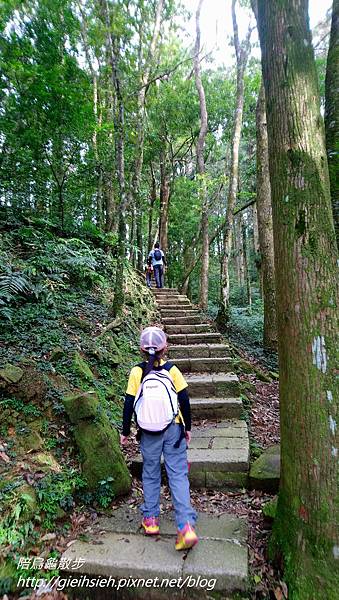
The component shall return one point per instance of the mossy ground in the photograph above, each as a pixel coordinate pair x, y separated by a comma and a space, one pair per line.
53, 331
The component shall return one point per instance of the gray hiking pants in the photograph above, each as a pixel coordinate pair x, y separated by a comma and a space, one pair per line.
152, 447
159, 275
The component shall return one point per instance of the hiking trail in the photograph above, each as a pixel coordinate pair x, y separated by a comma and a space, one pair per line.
219, 459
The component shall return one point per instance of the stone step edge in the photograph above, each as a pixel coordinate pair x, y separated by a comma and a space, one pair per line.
215, 400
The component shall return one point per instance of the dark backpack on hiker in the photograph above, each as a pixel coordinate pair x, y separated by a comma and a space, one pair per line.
157, 254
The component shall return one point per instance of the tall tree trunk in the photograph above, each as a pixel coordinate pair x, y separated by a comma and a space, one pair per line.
153, 197
265, 226
97, 117
110, 208
246, 266
332, 113
119, 126
239, 250
201, 166
164, 202
145, 70
132, 237
256, 245
307, 291
99, 203
242, 52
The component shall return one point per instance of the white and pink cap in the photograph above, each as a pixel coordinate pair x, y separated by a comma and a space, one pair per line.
153, 339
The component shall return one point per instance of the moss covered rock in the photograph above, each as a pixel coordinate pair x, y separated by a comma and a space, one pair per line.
81, 406
31, 440
26, 497
56, 354
81, 368
269, 509
246, 386
11, 373
79, 323
265, 471
46, 462
101, 455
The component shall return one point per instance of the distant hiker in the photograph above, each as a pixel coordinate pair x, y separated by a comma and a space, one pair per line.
157, 395
149, 271
156, 258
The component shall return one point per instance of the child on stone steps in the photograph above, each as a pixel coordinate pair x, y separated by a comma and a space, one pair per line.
157, 395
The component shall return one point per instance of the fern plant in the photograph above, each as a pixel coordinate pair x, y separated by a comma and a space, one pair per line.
14, 284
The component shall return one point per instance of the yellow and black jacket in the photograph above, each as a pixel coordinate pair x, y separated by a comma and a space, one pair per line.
180, 385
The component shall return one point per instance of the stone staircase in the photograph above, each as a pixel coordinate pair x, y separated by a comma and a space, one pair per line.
219, 459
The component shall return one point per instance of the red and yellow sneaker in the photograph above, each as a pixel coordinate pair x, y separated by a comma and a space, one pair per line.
186, 538
150, 525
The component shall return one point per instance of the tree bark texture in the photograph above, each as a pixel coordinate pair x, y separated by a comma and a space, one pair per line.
246, 271
265, 226
305, 527
242, 52
164, 202
239, 250
201, 165
119, 138
145, 71
332, 113
153, 197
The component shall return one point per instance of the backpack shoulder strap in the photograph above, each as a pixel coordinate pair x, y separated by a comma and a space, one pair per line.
168, 365
142, 366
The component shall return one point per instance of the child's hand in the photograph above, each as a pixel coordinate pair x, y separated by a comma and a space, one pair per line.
123, 440
188, 437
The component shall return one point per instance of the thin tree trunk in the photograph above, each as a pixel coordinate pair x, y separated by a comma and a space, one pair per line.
332, 113
99, 204
145, 71
153, 197
119, 124
201, 165
246, 271
256, 245
242, 53
305, 527
132, 237
99, 193
164, 202
239, 250
265, 226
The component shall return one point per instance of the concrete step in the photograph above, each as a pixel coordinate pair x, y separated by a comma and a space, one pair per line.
165, 290
194, 338
205, 365
167, 304
179, 312
116, 548
182, 320
198, 351
218, 456
216, 408
176, 329
213, 385
171, 297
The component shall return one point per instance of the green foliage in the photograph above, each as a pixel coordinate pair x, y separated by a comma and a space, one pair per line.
16, 404
249, 322
55, 492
